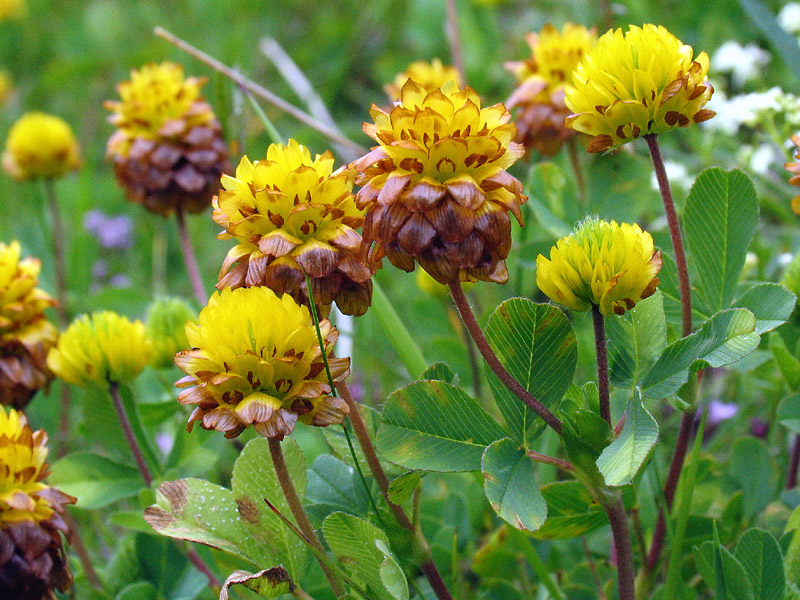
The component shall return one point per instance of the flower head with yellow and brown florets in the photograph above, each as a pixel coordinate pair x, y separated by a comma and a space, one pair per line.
541, 79
291, 216
25, 333
168, 149
436, 189
644, 81
40, 146
32, 559
256, 362
430, 75
608, 265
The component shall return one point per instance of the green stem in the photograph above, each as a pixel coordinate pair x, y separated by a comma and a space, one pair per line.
262, 116
395, 331
575, 161
296, 506
160, 258
684, 507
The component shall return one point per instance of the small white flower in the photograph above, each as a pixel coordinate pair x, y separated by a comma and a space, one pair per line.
744, 109
744, 63
789, 17
785, 258
763, 157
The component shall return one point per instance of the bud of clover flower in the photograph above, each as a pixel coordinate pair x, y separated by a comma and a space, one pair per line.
641, 82
256, 361
436, 189
40, 145
292, 216
600, 264
166, 328
168, 149
99, 349
25, 333
32, 559
540, 85
430, 75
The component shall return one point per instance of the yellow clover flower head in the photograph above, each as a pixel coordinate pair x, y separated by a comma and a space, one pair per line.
25, 333
642, 82
168, 149
539, 96
40, 145
255, 361
99, 349
291, 215
608, 265
436, 189
12, 9
31, 514
430, 75
166, 328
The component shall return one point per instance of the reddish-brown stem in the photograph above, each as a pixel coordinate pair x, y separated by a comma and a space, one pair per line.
127, 430
76, 543
602, 362
670, 487
190, 259
201, 566
564, 465
296, 506
685, 430
464, 309
359, 427
454, 37
791, 476
674, 233
624, 549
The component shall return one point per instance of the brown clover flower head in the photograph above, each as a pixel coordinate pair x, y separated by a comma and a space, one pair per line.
25, 333
168, 150
292, 215
256, 362
436, 189
539, 96
32, 560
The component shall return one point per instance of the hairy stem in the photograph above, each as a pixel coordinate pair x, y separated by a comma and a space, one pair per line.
564, 465
127, 430
622, 544
602, 363
427, 565
296, 506
190, 259
259, 91
491, 359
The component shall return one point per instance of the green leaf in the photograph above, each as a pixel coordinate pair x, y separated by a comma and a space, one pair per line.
772, 305
392, 576
722, 572
752, 469
131, 519
720, 217
94, 480
269, 583
537, 345
440, 372
334, 486
435, 426
338, 442
141, 590
237, 521
788, 413
571, 511
760, 555
354, 543
509, 482
401, 488
635, 341
788, 365
586, 434
724, 339
621, 460
784, 42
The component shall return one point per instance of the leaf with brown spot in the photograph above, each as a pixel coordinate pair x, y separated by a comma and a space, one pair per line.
269, 583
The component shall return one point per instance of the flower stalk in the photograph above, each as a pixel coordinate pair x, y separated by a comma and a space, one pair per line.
602, 363
296, 506
471, 323
190, 258
127, 431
